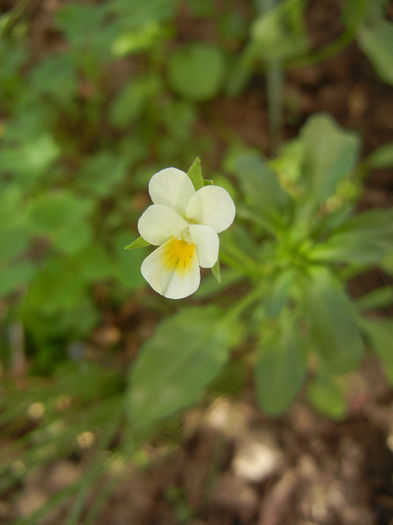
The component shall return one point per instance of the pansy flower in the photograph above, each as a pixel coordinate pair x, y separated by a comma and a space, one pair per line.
184, 224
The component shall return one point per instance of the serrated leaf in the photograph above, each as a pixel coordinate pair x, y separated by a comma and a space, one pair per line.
332, 319
281, 366
195, 174
138, 243
175, 365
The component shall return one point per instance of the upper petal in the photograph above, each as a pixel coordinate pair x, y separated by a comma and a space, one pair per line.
169, 277
171, 187
159, 223
213, 206
207, 243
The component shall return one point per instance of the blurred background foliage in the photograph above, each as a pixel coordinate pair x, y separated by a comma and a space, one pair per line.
94, 98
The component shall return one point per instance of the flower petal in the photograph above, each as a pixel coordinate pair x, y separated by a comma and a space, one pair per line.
212, 206
172, 270
207, 243
171, 187
159, 223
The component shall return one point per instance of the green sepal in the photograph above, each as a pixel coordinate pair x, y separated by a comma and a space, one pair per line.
195, 174
216, 271
138, 243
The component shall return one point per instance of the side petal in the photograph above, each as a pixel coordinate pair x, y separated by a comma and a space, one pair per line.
212, 206
171, 187
207, 243
158, 223
169, 277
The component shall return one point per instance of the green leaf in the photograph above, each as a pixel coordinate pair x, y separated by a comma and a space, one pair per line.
15, 276
30, 159
377, 298
127, 264
387, 263
326, 392
216, 271
133, 99
260, 186
93, 263
62, 217
330, 155
380, 334
363, 240
332, 319
382, 157
196, 72
186, 352
54, 77
376, 42
281, 366
280, 32
195, 174
276, 295
138, 243
102, 173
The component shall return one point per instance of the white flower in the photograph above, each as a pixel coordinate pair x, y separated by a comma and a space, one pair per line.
184, 223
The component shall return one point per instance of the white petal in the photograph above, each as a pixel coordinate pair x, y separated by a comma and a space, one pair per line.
213, 206
159, 223
171, 187
170, 273
207, 243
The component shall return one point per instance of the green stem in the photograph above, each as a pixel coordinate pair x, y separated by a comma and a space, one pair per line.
274, 88
15, 15
326, 52
245, 302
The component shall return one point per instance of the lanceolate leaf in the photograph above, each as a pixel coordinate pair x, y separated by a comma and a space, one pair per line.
330, 155
380, 335
332, 320
195, 174
260, 186
280, 367
377, 43
174, 366
138, 243
364, 239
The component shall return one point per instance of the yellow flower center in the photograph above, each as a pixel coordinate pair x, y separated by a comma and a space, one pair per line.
178, 255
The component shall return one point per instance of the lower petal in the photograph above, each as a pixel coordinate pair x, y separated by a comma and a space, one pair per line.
172, 270
207, 243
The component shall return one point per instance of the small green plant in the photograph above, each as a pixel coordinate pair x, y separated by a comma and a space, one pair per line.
297, 242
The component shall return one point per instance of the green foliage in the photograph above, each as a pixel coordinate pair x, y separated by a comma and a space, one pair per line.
195, 174
333, 325
280, 32
326, 392
281, 365
186, 352
382, 157
379, 332
330, 155
196, 72
118, 93
376, 42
